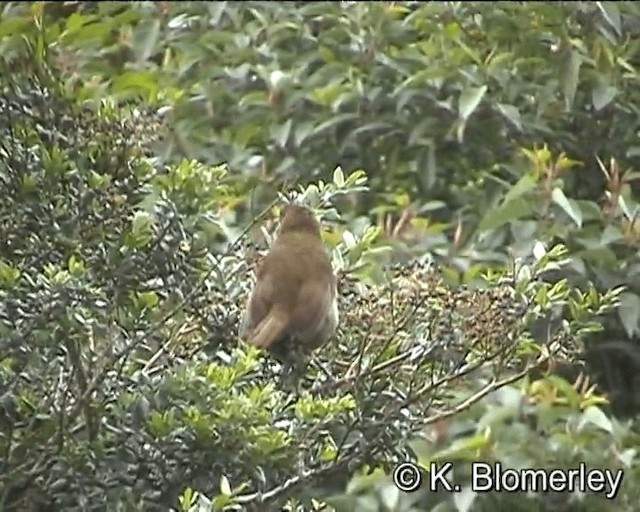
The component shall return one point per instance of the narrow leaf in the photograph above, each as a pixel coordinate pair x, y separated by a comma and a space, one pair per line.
569, 77
569, 207
524, 185
470, 98
464, 499
611, 13
629, 312
511, 113
602, 95
507, 212
594, 416
225, 487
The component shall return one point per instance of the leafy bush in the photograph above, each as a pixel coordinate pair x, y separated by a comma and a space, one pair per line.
484, 133
123, 378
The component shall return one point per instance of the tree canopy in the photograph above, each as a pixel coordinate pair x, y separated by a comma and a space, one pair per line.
474, 168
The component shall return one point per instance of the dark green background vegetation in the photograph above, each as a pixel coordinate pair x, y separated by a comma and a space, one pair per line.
141, 144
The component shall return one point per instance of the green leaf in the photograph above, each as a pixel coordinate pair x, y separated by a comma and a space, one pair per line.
611, 13
460, 127
75, 265
569, 206
464, 499
333, 122
278, 80
141, 222
225, 487
367, 503
507, 212
524, 185
139, 81
338, 177
280, 133
188, 499
13, 26
512, 114
569, 77
464, 447
9, 275
629, 312
246, 134
628, 456
593, 415
470, 98
219, 502
148, 299
301, 132
602, 95
468, 50
390, 497
342, 501
75, 22
148, 40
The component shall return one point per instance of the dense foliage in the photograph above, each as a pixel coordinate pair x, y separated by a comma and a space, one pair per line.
139, 140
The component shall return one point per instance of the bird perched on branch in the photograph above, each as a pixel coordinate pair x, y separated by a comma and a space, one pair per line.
293, 306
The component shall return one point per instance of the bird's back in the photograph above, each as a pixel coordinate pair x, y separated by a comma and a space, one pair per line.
293, 300
294, 260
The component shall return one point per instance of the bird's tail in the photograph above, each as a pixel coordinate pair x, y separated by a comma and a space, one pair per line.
269, 330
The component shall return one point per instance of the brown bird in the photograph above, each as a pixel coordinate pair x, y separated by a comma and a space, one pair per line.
293, 306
